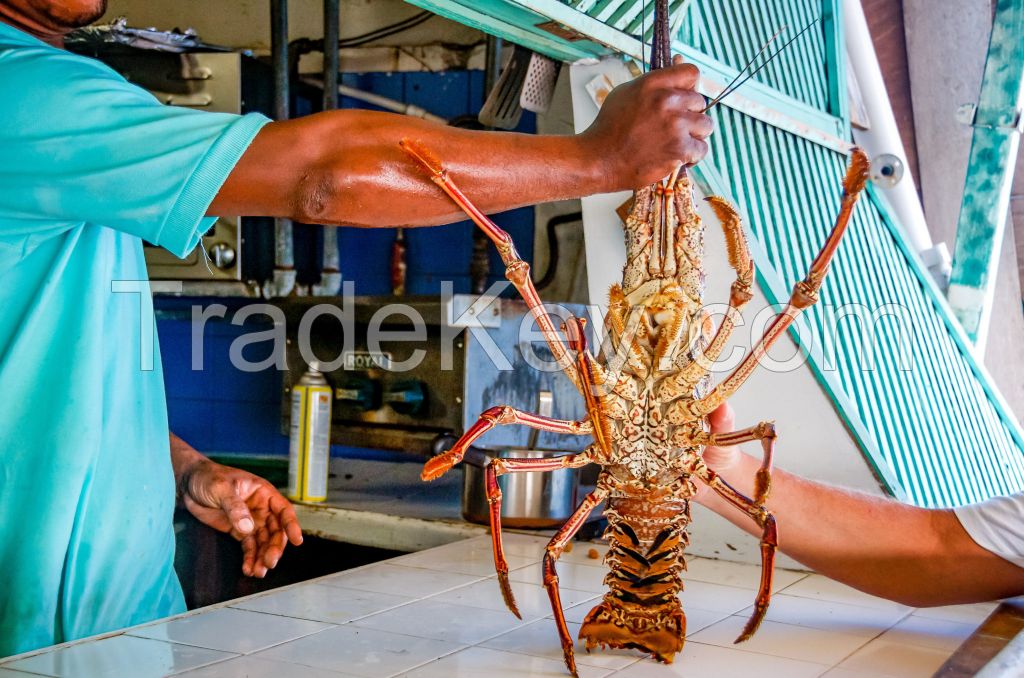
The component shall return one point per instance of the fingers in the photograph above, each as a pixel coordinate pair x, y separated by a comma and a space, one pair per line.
722, 419
237, 512
282, 508
275, 526
249, 556
679, 75
701, 126
694, 151
270, 545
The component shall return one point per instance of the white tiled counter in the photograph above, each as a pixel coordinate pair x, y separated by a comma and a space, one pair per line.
439, 613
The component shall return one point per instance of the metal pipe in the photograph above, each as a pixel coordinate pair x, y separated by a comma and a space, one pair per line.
380, 101
884, 135
332, 65
283, 282
330, 270
492, 68
279, 57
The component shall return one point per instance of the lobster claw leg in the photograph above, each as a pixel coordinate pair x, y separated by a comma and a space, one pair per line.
551, 553
500, 466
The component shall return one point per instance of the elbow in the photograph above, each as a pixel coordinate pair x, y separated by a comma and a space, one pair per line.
315, 200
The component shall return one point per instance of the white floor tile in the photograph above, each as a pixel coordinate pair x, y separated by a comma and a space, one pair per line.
885, 658
938, 634
583, 552
577, 613
697, 619
359, 651
828, 615
442, 621
823, 588
399, 580
531, 599
478, 661
967, 614
840, 672
331, 604
119, 656
540, 639
741, 575
715, 597
783, 640
515, 544
703, 661
11, 673
473, 558
229, 630
256, 667
571, 575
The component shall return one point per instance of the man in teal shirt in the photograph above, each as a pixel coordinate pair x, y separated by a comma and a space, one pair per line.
91, 165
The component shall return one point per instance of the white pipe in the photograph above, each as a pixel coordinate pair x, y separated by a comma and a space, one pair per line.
330, 275
883, 136
386, 103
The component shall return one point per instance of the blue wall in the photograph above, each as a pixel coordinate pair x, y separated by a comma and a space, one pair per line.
221, 408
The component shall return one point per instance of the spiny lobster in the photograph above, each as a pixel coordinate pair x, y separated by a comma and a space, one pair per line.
647, 408
647, 404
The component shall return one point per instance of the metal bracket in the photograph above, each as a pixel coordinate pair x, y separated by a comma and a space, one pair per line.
465, 310
967, 114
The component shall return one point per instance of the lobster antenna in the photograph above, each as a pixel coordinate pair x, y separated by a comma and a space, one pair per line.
734, 85
750, 62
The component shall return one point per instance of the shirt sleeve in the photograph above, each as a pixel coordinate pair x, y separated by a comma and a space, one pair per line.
81, 144
997, 525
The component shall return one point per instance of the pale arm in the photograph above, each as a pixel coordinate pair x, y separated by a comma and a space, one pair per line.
919, 557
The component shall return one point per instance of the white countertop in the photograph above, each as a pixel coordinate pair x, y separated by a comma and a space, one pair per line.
439, 613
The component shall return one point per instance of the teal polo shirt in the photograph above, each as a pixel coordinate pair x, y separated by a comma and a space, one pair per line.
90, 165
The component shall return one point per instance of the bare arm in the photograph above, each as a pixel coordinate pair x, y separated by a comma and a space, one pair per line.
919, 557
345, 167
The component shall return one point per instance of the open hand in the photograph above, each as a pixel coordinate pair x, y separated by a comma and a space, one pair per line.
245, 506
648, 126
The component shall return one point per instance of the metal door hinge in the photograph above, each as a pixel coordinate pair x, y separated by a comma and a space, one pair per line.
967, 114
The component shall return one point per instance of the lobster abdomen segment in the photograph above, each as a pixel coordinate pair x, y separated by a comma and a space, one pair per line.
641, 609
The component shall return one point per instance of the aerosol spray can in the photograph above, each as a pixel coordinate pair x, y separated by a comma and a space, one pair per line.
310, 444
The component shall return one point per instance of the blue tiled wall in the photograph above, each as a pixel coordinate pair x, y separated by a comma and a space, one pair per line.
223, 409
220, 408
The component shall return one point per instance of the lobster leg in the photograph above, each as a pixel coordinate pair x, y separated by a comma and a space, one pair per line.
624, 333
503, 415
500, 466
805, 293
740, 294
551, 554
765, 432
769, 542
516, 270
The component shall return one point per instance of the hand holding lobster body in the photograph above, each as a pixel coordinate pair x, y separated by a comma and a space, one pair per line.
647, 402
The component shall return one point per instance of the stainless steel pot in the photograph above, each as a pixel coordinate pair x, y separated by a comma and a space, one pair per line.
529, 500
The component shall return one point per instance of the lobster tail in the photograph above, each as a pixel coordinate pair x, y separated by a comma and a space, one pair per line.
642, 609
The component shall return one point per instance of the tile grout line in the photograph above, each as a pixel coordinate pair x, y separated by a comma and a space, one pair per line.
740, 648
875, 637
526, 654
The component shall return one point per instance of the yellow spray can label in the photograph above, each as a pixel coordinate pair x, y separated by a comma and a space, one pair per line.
310, 445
